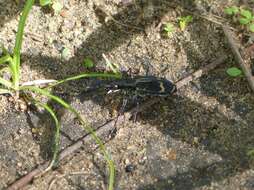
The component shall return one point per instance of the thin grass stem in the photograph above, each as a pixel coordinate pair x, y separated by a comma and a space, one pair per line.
15, 63
85, 126
5, 83
57, 134
87, 75
5, 59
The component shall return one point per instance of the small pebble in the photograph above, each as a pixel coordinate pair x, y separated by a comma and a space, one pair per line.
129, 168
58, 45
64, 13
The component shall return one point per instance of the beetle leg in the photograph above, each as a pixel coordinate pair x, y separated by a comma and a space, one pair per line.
136, 100
136, 113
123, 106
121, 111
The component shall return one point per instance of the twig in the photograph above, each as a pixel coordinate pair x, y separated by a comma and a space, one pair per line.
243, 63
201, 71
125, 25
105, 129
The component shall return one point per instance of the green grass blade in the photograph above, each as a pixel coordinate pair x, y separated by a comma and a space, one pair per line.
4, 91
4, 59
5, 69
21, 26
102, 148
87, 75
57, 134
113, 67
85, 126
15, 64
5, 83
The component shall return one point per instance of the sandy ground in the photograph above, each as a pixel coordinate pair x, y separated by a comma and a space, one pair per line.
197, 139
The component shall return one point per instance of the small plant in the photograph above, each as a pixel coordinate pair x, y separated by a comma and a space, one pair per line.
231, 10
168, 28
234, 72
55, 4
243, 16
31, 92
88, 63
250, 154
184, 21
45, 2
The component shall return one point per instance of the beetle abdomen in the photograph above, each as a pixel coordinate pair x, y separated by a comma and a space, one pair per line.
154, 86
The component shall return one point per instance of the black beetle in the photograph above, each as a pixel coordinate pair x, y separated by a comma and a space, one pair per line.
143, 86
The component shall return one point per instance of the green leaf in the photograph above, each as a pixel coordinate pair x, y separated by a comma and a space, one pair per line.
169, 28
182, 25
57, 6
231, 10
234, 72
88, 63
45, 2
244, 21
54, 161
251, 27
4, 91
112, 66
184, 21
189, 18
5, 83
246, 13
6, 58
250, 153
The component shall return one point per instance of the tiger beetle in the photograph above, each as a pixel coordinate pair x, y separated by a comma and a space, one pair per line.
142, 86
136, 88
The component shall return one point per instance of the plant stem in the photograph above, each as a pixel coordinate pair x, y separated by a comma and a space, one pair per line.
57, 134
4, 91
6, 58
89, 129
118, 76
15, 64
